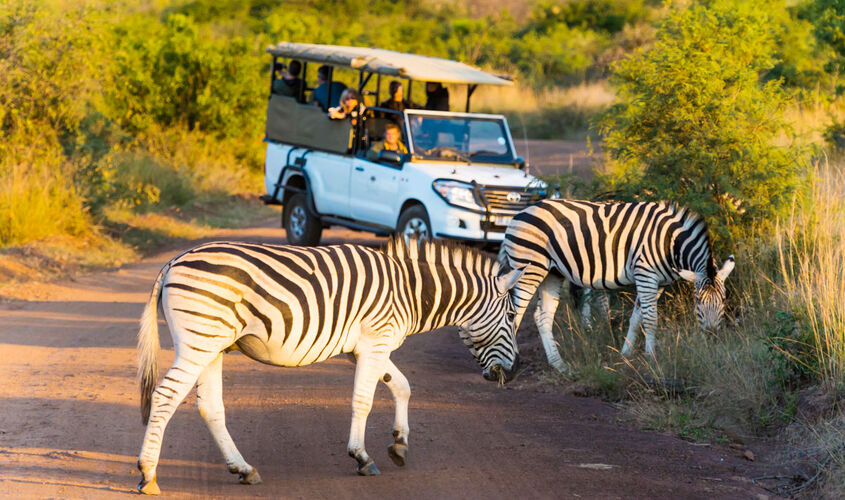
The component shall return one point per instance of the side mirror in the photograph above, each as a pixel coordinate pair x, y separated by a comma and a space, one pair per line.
520, 162
391, 157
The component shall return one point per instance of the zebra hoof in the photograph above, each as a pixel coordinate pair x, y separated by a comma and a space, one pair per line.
251, 478
368, 469
149, 487
561, 368
398, 453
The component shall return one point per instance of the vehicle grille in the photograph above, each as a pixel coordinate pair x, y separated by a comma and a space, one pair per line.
497, 199
492, 227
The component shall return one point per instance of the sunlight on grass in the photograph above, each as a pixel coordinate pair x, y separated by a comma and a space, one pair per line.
812, 257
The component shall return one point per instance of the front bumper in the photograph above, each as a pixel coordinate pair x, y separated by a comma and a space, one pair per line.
462, 224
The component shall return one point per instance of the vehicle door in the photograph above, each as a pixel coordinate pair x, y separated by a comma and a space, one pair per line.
329, 177
374, 191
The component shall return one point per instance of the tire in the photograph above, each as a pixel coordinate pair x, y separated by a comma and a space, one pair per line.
414, 222
302, 228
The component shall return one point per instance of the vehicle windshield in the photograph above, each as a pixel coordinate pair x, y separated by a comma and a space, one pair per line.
460, 138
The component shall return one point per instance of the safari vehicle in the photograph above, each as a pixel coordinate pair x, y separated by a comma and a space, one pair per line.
461, 178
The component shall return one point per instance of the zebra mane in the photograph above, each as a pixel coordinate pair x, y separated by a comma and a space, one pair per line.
444, 253
689, 220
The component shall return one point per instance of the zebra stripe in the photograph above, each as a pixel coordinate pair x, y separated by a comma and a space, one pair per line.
293, 306
606, 246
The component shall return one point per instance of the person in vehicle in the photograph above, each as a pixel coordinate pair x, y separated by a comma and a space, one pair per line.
392, 142
320, 95
437, 97
289, 84
349, 107
397, 101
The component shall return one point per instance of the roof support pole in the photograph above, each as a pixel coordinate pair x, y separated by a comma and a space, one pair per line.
273, 74
378, 89
470, 89
304, 78
362, 82
410, 88
329, 93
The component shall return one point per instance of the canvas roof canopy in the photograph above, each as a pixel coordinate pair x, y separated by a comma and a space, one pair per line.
388, 62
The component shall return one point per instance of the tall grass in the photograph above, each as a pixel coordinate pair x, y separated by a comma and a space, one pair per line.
811, 247
37, 198
784, 331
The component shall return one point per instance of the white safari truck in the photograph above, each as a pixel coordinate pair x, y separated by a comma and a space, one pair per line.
460, 179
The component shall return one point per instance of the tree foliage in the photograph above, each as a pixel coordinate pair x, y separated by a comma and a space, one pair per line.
697, 125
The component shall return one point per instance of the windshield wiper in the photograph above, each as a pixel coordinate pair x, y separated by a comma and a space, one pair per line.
485, 152
447, 152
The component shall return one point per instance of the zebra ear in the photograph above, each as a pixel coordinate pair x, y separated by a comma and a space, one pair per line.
507, 281
726, 269
685, 274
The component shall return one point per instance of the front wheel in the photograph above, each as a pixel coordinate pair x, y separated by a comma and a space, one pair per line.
303, 229
414, 223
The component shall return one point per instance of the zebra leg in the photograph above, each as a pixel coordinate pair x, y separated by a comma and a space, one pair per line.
647, 294
401, 391
548, 299
586, 311
166, 398
633, 329
210, 404
604, 302
369, 368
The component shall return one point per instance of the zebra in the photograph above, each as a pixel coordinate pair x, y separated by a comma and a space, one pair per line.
605, 246
293, 306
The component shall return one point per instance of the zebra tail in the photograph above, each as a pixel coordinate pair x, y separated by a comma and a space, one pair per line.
148, 347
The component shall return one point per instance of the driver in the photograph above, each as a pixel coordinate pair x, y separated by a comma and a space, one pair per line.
392, 142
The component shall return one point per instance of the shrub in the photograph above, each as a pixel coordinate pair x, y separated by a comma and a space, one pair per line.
696, 125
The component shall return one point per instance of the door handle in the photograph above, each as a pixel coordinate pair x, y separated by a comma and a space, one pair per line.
360, 169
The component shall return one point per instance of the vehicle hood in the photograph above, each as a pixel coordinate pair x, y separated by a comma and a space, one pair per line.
485, 174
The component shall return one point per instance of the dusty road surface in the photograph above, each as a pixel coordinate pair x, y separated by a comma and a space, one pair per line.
70, 424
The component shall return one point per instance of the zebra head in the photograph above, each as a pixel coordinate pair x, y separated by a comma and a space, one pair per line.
709, 294
490, 334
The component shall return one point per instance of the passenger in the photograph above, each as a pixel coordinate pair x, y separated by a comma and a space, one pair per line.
289, 84
350, 107
397, 102
319, 97
392, 142
437, 97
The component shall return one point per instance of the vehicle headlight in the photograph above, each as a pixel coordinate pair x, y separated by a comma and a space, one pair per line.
457, 193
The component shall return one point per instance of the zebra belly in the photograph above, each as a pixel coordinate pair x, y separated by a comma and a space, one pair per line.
291, 353
255, 348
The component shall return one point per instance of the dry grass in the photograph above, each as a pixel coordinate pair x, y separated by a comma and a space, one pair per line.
38, 199
812, 257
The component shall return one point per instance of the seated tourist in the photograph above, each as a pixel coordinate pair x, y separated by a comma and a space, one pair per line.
392, 142
320, 95
349, 107
437, 97
289, 84
397, 102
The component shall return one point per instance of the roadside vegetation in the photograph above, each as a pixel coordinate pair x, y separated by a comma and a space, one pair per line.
734, 110
126, 125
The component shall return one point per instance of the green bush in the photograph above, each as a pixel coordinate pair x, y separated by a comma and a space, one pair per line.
173, 75
792, 351
695, 123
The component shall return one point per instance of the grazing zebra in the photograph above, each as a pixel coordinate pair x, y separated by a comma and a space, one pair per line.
605, 246
293, 306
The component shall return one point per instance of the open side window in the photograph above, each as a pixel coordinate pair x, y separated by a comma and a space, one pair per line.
374, 123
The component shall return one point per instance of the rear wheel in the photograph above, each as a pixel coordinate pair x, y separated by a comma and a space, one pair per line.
414, 223
303, 229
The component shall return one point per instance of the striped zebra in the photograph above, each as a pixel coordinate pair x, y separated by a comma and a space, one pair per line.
293, 306
605, 246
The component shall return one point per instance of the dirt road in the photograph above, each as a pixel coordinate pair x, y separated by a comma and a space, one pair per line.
70, 425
